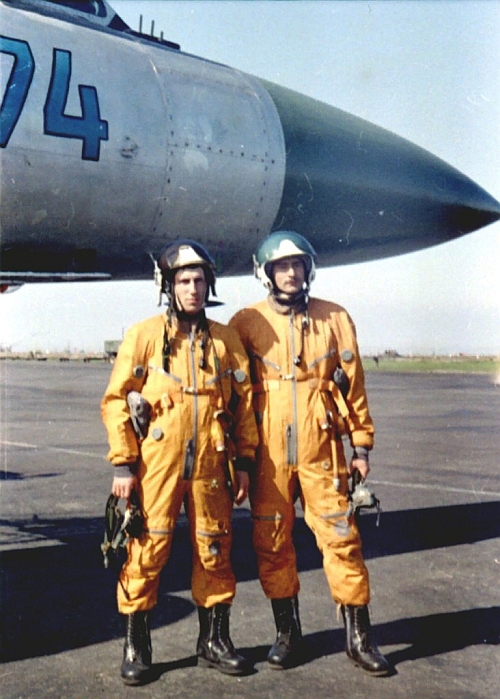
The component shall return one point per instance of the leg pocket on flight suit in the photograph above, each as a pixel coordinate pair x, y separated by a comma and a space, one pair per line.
212, 524
272, 533
273, 513
326, 509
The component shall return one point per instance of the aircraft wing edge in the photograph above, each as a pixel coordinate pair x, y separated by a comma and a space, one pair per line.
11, 280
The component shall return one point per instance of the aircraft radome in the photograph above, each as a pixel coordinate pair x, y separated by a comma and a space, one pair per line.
114, 142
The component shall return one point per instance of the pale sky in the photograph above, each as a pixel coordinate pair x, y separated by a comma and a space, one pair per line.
428, 71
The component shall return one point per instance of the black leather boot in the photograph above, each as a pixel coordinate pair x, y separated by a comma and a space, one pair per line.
137, 649
283, 653
359, 647
214, 647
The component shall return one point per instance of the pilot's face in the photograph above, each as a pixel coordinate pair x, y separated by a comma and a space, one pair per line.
190, 288
289, 274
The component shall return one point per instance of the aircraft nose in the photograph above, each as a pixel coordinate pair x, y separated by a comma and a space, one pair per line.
360, 192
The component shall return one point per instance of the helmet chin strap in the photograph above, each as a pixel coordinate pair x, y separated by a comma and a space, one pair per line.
289, 299
198, 322
190, 317
291, 303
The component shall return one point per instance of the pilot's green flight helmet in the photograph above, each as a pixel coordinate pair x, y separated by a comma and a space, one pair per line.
185, 253
282, 244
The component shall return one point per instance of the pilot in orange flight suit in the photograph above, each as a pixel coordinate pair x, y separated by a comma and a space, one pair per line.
194, 374
296, 345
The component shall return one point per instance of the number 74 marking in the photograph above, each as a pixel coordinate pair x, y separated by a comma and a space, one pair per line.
89, 127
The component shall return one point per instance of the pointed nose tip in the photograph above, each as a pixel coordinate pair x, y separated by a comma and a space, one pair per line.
465, 206
474, 218
473, 205
490, 209
360, 192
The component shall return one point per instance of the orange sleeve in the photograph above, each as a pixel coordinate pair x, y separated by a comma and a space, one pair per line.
125, 377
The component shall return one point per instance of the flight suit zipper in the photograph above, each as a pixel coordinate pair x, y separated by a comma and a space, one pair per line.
292, 446
190, 452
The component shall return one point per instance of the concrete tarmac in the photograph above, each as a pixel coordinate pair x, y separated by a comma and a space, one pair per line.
434, 560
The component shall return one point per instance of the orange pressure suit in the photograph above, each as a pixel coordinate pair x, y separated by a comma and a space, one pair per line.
301, 417
184, 457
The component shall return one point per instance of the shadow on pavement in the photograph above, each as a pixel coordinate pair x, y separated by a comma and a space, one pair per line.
423, 636
432, 635
59, 597
15, 476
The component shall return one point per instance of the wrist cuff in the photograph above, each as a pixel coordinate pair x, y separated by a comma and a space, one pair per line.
124, 470
360, 453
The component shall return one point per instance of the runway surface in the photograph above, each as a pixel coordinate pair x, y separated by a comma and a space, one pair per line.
434, 560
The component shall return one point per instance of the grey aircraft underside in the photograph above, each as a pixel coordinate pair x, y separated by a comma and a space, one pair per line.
114, 143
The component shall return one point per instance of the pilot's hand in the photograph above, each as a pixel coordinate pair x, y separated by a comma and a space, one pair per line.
123, 486
242, 484
361, 465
